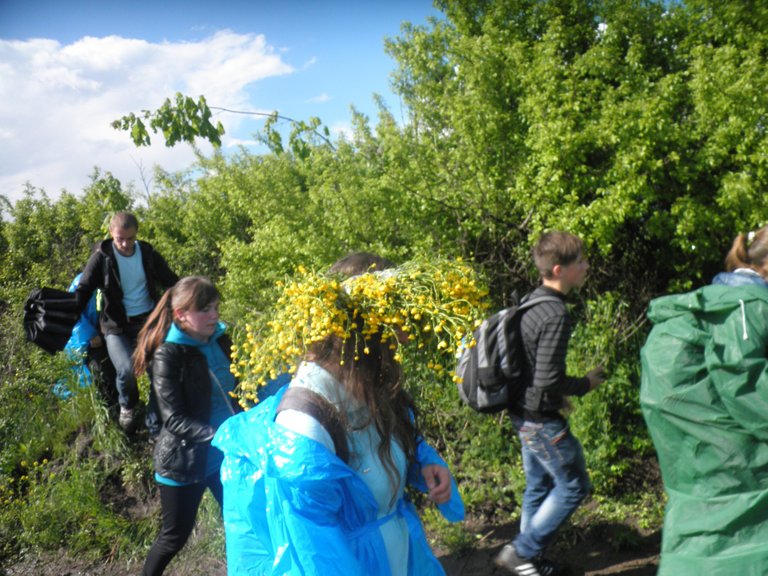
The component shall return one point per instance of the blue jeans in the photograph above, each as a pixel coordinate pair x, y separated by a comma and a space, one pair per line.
556, 482
120, 348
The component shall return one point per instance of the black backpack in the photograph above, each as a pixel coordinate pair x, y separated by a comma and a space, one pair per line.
49, 316
491, 373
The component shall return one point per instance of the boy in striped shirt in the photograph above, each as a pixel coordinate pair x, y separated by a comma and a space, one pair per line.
553, 461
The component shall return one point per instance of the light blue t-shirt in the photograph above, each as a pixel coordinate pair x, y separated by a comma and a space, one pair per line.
133, 281
364, 455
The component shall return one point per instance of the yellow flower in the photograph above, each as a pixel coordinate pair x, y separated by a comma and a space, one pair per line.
419, 299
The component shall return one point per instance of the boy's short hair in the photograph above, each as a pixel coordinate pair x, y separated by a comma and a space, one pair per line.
554, 248
123, 221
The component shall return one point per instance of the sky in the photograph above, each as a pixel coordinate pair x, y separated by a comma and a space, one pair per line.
68, 68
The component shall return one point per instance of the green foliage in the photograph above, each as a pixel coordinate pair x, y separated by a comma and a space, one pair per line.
486, 463
182, 120
69, 512
614, 120
608, 421
56, 455
48, 242
638, 125
646, 510
453, 537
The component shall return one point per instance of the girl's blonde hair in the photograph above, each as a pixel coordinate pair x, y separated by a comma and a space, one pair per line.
189, 293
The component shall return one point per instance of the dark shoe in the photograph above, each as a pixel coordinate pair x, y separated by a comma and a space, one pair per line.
548, 567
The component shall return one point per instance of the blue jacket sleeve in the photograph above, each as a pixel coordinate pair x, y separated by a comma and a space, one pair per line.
290, 506
453, 510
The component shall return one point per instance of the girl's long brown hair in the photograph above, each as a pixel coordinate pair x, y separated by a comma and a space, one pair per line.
374, 379
746, 253
189, 293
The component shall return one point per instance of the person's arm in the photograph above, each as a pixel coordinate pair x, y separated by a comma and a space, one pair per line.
90, 280
306, 425
430, 469
313, 501
288, 505
306, 525
550, 373
166, 379
163, 272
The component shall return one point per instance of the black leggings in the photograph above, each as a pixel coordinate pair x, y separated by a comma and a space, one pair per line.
179, 506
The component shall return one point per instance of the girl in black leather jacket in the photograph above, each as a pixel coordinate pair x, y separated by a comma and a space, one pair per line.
184, 344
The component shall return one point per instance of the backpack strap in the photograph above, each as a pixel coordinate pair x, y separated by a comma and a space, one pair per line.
315, 405
528, 302
512, 322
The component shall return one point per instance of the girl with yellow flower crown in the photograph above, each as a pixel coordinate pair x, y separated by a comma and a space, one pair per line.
315, 476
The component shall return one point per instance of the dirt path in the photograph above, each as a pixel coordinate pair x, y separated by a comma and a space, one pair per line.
480, 563
592, 551
588, 562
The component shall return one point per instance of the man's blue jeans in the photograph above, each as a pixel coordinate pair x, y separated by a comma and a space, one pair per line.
556, 482
120, 348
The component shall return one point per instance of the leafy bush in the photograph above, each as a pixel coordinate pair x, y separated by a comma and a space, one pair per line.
522, 117
608, 421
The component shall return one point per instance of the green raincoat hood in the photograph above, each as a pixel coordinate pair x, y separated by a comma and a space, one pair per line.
704, 396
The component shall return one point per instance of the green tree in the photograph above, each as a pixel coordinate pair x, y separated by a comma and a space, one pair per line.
182, 120
639, 125
47, 241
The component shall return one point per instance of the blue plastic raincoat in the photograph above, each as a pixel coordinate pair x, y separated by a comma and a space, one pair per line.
77, 345
292, 507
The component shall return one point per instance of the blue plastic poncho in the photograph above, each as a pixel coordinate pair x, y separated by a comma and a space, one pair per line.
292, 507
77, 345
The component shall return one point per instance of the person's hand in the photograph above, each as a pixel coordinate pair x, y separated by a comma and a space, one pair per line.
438, 480
95, 342
596, 376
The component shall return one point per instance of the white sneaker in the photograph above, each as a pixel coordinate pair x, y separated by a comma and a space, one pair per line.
127, 419
509, 559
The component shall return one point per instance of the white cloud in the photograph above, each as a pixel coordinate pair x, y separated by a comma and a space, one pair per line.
238, 142
344, 129
319, 99
57, 102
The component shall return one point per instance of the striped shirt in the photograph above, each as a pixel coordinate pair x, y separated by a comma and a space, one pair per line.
545, 330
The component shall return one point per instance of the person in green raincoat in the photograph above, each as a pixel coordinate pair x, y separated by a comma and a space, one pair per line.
704, 396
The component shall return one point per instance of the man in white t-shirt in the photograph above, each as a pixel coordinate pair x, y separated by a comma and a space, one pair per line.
130, 275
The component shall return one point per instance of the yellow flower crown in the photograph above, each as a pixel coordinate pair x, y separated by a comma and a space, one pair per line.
436, 304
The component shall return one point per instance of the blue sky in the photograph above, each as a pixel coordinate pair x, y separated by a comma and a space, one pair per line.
70, 67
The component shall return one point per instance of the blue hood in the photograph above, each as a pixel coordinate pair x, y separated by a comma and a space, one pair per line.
177, 336
741, 277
